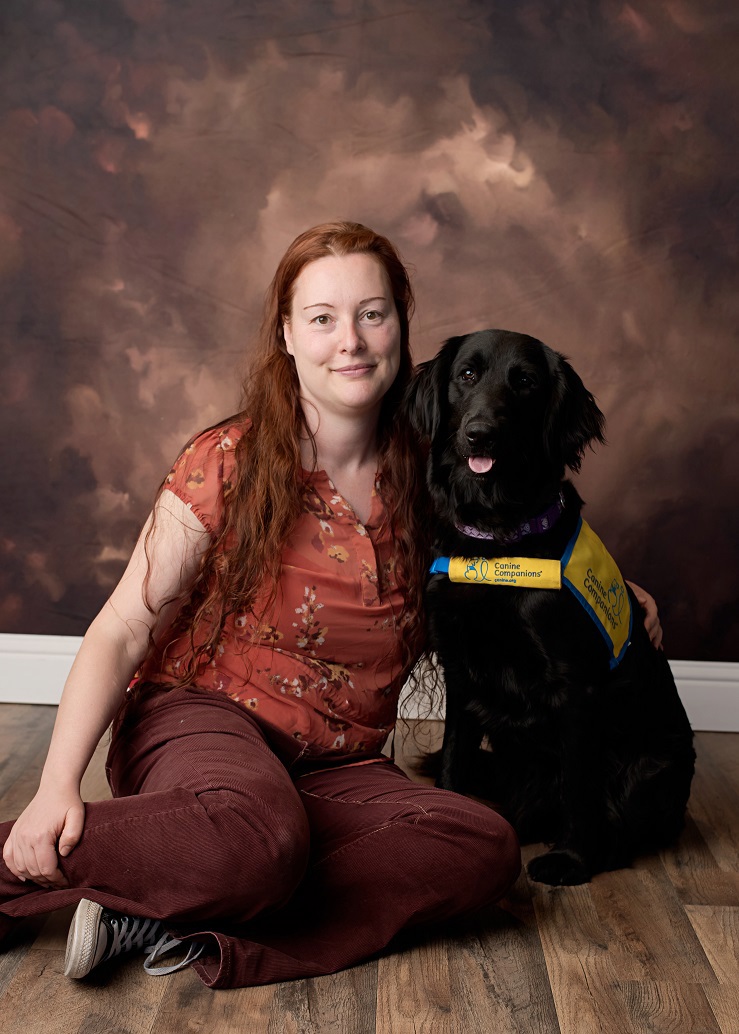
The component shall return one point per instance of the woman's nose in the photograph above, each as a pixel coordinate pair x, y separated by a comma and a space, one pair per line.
353, 340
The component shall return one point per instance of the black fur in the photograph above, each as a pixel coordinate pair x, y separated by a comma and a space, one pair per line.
596, 762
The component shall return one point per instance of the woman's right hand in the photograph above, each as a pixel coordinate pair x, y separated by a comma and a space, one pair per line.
52, 822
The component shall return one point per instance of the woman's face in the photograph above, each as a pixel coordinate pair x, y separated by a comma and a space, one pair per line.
344, 334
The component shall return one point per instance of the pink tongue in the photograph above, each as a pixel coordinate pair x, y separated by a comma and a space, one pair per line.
480, 464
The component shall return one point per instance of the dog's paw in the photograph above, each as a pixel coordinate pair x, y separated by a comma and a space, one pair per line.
559, 868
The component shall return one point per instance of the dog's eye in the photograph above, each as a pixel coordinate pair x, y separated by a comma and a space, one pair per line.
469, 375
520, 380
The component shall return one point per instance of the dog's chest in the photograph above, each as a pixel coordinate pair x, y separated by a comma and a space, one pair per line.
484, 627
507, 647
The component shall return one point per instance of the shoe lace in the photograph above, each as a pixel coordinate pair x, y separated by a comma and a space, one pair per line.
131, 932
164, 946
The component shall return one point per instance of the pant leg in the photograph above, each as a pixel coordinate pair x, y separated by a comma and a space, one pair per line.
205, 823
387, 854
215, 834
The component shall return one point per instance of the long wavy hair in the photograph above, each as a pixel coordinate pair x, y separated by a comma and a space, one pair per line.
241, 567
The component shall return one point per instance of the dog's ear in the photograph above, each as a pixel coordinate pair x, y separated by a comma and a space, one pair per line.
573, 420
426, 395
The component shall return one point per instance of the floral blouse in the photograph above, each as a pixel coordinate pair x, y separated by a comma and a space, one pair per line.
324, 665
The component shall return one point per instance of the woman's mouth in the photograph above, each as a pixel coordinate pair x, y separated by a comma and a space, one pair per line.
356, 370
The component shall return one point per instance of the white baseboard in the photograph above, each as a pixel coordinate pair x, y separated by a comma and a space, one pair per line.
33, 669
709, 691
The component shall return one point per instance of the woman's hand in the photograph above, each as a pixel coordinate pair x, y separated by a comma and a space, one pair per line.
52, 822
651, 615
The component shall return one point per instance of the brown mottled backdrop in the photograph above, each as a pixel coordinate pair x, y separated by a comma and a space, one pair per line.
561, 167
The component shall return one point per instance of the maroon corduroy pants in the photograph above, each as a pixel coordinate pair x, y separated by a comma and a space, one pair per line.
280, 877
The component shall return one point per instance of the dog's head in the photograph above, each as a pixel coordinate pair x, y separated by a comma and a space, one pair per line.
503, 413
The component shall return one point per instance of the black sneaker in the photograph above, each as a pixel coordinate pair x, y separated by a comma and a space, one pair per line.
97, 934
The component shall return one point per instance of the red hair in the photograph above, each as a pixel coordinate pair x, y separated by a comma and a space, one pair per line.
266, 496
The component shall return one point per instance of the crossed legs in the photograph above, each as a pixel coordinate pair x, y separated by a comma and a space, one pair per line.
279, 879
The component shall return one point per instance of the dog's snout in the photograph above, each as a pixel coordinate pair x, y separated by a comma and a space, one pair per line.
478, 432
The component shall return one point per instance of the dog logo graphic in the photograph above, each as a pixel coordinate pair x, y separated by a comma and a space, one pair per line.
617, 598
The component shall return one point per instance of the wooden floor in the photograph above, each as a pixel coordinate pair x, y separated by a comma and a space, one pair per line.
649, 949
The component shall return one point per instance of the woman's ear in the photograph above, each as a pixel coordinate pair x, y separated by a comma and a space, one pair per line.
288, 336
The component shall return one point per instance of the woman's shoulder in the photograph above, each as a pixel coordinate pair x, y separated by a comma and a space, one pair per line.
203, 473
221, 437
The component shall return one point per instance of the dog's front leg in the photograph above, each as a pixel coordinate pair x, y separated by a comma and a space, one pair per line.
462, 735
574, 857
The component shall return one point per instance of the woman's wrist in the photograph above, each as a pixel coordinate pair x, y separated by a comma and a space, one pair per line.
59, 782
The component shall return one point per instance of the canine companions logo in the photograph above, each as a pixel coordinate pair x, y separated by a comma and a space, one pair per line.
516, 570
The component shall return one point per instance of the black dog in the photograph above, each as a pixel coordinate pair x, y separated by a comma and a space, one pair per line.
589, 745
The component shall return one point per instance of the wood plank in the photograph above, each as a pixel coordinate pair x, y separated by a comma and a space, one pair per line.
414, 991
119, 997
667, 1007
622, 955
721, 749
724, 1002
188, 1004
53, 930
579, 962
718, 932
695, 873
24, 743
22, 729
15, 948
290, 1013
649, 937
714, 806
94, 785
24, 735
498, 972
344, 1003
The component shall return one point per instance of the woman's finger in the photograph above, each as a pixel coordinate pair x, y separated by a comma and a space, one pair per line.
45, 866
72, 831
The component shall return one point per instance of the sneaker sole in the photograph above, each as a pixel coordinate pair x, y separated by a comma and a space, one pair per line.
82, 939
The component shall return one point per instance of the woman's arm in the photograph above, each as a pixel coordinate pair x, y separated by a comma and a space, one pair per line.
113, 648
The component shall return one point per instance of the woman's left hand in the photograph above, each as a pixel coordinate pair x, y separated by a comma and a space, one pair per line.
651, 615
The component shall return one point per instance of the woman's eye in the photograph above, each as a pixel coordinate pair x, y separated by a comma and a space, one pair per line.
323, 320
373, 315
469, 375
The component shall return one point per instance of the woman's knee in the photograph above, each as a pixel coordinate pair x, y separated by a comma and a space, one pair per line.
479, 851
254, 856
505, 855
242, 857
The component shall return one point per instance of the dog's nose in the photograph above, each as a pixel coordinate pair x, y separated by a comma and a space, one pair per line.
477, 433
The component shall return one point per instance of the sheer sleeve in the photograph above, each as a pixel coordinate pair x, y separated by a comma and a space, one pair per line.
203, 472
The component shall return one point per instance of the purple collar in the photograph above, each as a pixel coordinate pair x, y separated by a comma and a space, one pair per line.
535, 526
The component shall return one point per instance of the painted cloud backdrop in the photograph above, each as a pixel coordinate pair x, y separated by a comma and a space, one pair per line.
565, 169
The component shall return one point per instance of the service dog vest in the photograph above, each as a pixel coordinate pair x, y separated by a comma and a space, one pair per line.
587, 569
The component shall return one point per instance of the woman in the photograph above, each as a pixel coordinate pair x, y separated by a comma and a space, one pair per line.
272, 608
